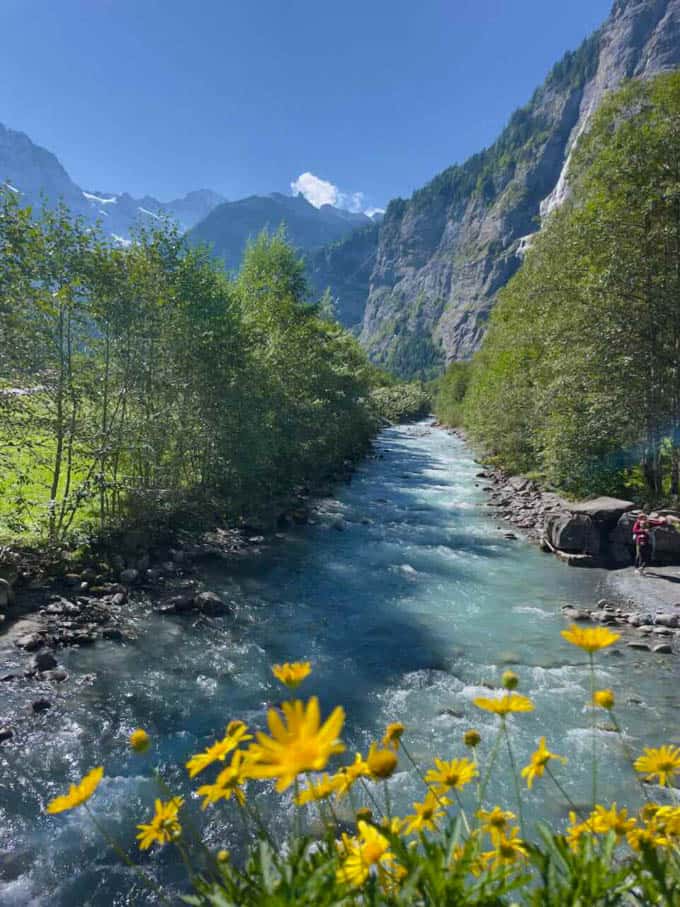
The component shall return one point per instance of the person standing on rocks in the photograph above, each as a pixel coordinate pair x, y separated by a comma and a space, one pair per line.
642, 530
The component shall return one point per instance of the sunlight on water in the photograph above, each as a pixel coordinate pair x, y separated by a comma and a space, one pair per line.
407, 614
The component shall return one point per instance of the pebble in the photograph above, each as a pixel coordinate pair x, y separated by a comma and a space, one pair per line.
41, 705
642, 646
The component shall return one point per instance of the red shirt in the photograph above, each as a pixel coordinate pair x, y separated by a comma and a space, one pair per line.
641, 535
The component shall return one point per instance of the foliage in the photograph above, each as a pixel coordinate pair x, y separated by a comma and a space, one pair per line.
449, 393
401, 402
140, 383
578, 373
454, 849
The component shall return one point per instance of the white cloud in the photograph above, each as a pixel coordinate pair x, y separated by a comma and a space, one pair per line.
320, 192
371, 212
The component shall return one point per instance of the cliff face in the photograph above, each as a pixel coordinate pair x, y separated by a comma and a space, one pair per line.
443, 255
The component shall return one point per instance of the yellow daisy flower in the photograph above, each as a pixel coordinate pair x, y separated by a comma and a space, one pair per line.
501, 705
381, 763
426, 814
291, 674
508, 849
604, 699
604, 820
164, 827
661, 763
453, 775
302, 744
539, 760
317, 790
78, 793
575, 831
393, 734
496, 820
348, 775
140, 740
590, 639
394, 825
369, 851
229, 781
472, 738
236, 733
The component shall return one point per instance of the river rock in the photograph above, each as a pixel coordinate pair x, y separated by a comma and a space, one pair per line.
6, 733
211, 604
89, 576
667, 620
43, 661
30, 642
58, 675
6, 594
129, 576
574, 533
663, 648
41, 705
642, 646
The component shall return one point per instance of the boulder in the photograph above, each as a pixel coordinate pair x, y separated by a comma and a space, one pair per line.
6, 594
43, 661
211, 604
130, 576
663, 648
6, 733
41, 705
576, 533
31, 642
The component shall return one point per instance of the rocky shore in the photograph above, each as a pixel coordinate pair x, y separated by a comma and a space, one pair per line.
645, 610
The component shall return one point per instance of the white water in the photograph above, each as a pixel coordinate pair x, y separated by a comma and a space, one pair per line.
405, 615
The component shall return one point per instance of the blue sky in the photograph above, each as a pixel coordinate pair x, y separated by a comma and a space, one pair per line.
372, 96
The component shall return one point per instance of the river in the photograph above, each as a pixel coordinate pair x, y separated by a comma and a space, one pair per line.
407, 599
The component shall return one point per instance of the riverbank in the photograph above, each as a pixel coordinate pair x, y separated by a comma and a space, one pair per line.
644, 609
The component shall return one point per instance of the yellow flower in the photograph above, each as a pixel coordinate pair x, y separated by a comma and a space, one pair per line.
575, 831
590, 639
604, 699
495, 821
393, 734
510, 680
394, 826
140, 740
662, 763
346, 777
302, 744
453, 775
426, 814
291, 674
508, 849
222, 856
668, 819
236, 733
381, 763
362, 854
77, 793
364, 814
164, 827
508, 702
604, 820
228, 782
651, 835
317, 790
539, 760
472, 738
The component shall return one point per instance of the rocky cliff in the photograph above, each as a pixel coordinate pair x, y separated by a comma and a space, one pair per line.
443, 254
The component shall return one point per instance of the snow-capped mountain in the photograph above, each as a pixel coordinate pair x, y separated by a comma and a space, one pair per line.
39, 178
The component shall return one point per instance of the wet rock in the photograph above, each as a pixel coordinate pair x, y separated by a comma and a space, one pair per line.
119, 599
113, 633
211, 604
667, 620
6, 594
6, 678
72, 579
30, 642
453, 713
663, 648
129, 577
58, 675
576, 614
641, 646
339, 525
41, 705
89, 576
6, 733
178, 604
43, 661
143, 563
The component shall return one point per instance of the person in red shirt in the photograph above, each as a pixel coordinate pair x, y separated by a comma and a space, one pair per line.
643, 544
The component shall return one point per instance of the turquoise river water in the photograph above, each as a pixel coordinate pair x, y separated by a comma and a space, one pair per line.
406, 614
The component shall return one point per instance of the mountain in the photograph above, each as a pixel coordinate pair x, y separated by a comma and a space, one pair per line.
442, 255
36, 175
229, 226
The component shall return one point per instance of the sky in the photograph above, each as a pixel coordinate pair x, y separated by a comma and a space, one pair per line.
353, 102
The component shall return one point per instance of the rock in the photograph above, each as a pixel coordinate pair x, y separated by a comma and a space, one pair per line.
667, 620
664, 648
129, 577
143, 563
118, 599
59, 675
256, 539
89, 576
72, 579
118, 563
574, 533
339, 525
43, 661
6, 594
211, 604
30, 642
6, 733
113, 633
642, 646
575, 614
178, 556
41, 705
6, 678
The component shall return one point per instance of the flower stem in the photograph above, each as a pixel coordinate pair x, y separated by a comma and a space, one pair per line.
515, 777
489, 768
592, 699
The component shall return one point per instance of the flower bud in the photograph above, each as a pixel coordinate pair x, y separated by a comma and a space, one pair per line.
510, 680
140, 741
604, 699
472, 738
381, 763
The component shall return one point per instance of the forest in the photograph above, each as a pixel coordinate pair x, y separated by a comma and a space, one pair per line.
578, 379
141, 385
